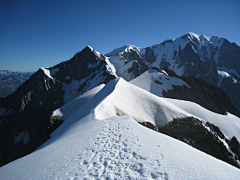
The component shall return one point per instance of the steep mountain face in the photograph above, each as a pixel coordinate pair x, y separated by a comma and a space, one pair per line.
25, 115
209, 58
10, 81
128, 62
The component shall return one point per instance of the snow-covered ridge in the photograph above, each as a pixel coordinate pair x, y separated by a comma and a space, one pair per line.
94, 143
136, 102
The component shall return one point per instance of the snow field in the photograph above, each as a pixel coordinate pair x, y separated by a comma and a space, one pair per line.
117, 148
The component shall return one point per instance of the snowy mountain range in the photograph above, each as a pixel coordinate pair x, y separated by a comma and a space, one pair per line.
10, 81
213, 59
83, 118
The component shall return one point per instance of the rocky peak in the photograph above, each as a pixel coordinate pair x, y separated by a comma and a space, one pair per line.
28, 109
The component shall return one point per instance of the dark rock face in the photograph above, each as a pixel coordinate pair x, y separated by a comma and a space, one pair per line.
194, 133
27, 122
202, 93
230, 55
235, 146
232, 89
139, 66
30, 107
149, 55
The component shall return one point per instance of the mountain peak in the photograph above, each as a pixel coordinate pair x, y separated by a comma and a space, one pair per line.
121, 49
88, 48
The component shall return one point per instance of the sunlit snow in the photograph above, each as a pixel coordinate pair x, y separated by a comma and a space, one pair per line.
94, 143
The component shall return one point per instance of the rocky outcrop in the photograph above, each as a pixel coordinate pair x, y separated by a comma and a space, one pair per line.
202, 93
26, 121
194, 133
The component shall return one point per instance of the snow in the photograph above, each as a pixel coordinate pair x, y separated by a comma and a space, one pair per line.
23, 136
70, 108
165, 83
224, 72
120, 50
110, 67
120, 63
138, 103
90, 48
228, 124
94, 143
221, 76
47, 72
117, 148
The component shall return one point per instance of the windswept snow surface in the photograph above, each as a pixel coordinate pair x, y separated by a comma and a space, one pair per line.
163, 82
93, 143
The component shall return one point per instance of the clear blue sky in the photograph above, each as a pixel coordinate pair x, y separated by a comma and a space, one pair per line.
36, 34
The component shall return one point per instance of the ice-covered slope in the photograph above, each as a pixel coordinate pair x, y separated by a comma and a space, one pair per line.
117, 148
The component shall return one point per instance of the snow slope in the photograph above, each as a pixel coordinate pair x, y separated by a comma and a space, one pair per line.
228, 124
136, 102
94, 143
117, 148
165, 82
